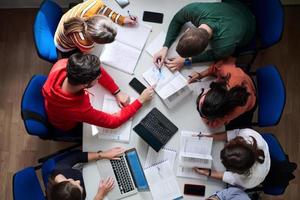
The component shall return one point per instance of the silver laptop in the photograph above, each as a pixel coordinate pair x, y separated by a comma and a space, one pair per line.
127, 173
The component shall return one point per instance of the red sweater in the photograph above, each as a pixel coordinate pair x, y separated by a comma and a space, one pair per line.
65, 110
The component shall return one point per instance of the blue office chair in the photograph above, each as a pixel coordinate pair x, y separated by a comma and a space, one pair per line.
26, 185
34, 114
49, 165
270, 96
44, 28
282, 169
269, 17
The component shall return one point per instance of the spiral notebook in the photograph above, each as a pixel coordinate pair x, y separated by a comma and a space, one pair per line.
157, 157
162, 182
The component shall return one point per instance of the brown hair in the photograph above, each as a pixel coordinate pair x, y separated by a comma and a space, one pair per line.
62, 191
192, 42
238, 155
98, 28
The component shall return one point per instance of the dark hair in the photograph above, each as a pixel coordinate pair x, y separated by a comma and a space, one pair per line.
82, 68
238, 155
192, 42
63, 191
219, 101
98, 27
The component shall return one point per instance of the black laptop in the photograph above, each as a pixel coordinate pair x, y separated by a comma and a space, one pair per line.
155, 129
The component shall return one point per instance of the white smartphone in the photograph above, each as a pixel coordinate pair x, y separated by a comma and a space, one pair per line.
122, 3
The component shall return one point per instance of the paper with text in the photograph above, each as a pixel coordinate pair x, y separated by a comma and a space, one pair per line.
162, 182
157, 157
122, 133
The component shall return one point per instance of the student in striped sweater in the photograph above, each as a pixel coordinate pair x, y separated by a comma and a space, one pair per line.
86, 24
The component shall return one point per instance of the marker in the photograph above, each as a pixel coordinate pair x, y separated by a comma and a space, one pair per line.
131, 17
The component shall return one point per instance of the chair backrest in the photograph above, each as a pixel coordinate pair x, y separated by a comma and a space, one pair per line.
271, 95
32, 107
26, 185
269, 16
50, 164
44, 28
281, 168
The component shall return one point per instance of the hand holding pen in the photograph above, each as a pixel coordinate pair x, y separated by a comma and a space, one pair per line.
195, 77
130, 20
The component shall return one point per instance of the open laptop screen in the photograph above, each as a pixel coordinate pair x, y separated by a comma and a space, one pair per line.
136, 170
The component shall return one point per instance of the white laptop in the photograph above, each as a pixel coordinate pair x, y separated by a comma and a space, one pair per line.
127, 173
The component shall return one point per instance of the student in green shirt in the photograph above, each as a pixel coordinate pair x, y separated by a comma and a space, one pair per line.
225, 26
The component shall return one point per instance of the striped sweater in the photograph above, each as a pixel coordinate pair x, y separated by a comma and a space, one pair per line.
86, 9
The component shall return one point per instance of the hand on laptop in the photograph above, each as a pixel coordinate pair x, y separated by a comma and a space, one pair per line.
175, 64
159, 57
112, 154
122, 99
146, 95
105, 187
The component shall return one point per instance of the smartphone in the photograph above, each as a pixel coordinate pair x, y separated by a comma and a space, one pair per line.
137, 85
122, 3
153, 17
197, 190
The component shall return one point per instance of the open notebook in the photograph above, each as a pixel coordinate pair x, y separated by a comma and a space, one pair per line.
123, 54
171, 87
121, 134
194, 152
157, 157
162, 182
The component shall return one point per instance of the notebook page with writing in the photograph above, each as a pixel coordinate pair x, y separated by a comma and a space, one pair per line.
157, 157
135, 36
122, 133
120, 56
162, 182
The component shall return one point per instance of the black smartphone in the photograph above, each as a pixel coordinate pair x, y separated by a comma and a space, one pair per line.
137, 85
197, 190
153, 17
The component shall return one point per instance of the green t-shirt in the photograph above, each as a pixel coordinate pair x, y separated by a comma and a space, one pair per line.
232, 23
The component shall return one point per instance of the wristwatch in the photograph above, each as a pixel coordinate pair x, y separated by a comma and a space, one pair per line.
187, 62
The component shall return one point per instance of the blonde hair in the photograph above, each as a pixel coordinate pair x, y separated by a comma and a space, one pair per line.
98, 27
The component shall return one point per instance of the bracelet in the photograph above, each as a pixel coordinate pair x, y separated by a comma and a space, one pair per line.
99, 156
117, 92
209, 172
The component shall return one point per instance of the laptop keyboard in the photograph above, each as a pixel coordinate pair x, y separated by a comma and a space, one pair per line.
153, 125
122, 175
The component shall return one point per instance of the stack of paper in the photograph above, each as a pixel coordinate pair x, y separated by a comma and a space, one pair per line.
194, 152
162, 182
157, 157
121, 134
123, 54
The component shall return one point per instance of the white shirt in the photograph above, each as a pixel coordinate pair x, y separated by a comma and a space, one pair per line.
258, 172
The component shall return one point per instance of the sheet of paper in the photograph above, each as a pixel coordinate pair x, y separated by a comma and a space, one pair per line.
166, 83
162, 182
156, 44
135, 36
154, 157
120, 56
122, 133
189, 173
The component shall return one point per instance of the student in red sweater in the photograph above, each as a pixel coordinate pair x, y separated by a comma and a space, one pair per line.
67, 102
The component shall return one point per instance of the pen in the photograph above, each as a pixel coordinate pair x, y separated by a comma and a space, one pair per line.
197, 80
131, 17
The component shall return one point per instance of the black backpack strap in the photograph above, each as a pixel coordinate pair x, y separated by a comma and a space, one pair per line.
27, 115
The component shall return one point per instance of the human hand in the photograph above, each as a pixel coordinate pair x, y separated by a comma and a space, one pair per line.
146, 95
104, 187
130, 20
160, 56
175, 63
202, 171
112, 154
194, 77
122, 99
